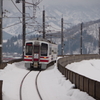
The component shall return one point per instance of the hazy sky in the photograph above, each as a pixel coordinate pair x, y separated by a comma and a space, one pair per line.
95, 4
76, 2
91, 3
58, 2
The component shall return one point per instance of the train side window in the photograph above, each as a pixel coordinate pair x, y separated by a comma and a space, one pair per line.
44, 49
28, 48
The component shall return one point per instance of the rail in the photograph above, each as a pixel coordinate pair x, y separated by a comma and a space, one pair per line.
83, 83
36, 84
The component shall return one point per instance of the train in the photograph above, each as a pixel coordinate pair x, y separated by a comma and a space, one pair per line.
40, 53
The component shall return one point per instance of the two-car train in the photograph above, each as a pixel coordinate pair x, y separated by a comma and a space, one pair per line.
39, 53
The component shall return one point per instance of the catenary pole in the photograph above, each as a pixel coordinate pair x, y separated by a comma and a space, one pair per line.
43, 24
99, 40
62, 46
23, 25
81, 39
1, 10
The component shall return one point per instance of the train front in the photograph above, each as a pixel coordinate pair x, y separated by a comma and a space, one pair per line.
36, 55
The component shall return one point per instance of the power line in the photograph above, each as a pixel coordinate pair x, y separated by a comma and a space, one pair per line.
16, 6
31, 32
14, 24
34, 4
54, 27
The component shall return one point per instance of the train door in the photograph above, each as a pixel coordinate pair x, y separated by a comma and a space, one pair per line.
36, 56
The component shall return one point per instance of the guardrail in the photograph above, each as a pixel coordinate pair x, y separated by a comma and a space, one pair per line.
83, 83
4, 64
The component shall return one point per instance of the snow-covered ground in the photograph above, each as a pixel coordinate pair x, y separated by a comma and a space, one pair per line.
88, 68
52, 84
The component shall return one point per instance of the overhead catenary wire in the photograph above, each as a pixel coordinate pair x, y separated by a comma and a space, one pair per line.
34, 4
16, 17
16, 6
14, 24
54, 27
31, 32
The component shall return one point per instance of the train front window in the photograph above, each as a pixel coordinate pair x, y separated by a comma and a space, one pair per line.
44, 49
28, 48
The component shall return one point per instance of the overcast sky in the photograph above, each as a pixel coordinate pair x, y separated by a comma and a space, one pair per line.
92, 3
58, 2
8, 4
76, 2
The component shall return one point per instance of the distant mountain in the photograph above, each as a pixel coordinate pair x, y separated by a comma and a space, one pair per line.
13, 45
90, 38
6, 36
72, 15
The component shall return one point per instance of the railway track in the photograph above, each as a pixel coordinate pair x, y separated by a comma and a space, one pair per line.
36, 85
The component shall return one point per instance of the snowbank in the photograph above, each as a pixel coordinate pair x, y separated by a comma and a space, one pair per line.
52, 84
88, 68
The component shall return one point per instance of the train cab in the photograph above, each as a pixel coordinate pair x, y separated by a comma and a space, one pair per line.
38, 54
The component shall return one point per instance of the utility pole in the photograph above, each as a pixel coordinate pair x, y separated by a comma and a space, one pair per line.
81, 39
62, 46
43, 24
23, 24
99, 40
1, 10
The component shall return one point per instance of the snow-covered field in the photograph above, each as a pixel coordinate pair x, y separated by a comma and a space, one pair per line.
52, 84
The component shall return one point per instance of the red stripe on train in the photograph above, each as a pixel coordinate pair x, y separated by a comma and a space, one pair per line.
44, 57
44, 60
36, 59
27, 59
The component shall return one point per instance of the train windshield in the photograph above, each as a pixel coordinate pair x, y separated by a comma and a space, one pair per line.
44, 49
28, 48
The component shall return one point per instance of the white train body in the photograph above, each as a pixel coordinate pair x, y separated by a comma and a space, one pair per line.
39, 53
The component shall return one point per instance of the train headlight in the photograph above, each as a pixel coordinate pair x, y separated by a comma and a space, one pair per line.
45, 57
26, 56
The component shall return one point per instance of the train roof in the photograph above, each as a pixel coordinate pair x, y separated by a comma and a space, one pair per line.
41, 39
